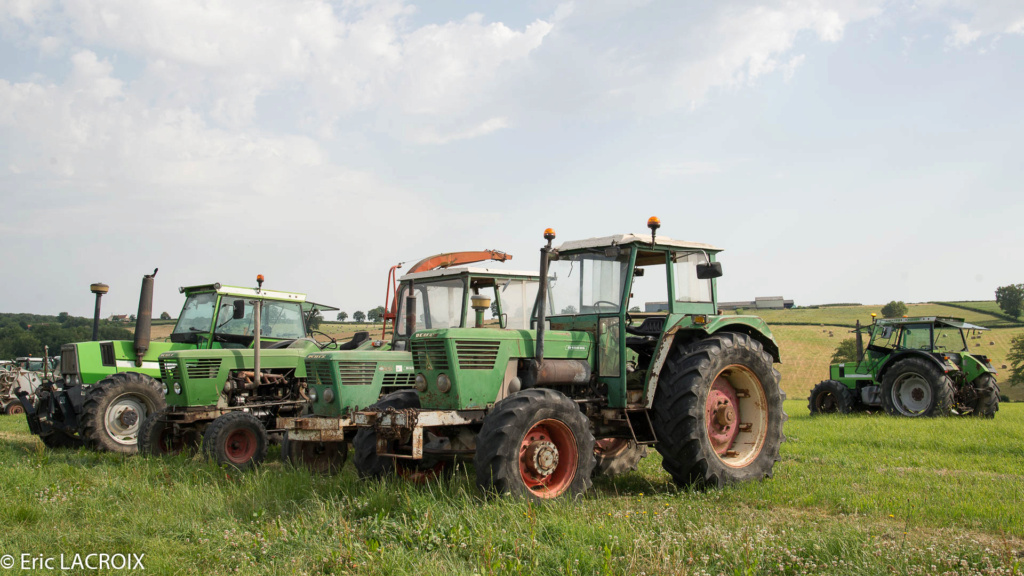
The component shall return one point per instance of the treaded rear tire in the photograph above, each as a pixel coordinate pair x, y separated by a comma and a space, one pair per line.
499, 445
236, 439
366, 460
624, 457
830, 397
156, 437
939, 384
680, 415
141, 389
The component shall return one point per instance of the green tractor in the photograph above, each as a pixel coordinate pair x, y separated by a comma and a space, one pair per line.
344, 381
536, 410
913, 367
107, 389
224, 398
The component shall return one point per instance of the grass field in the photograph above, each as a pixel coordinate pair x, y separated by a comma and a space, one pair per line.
848, 315
854, 495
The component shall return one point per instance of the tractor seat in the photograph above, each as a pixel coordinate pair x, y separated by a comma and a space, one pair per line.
651, 326
357, 339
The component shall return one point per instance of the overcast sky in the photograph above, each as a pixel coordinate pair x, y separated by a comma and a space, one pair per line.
844, 151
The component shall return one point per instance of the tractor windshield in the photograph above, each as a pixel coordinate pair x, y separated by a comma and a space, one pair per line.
586, 284
196, 316
438, 305
949, 339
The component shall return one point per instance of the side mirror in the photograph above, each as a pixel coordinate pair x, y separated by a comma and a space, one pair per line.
638, 272
239, 310
709, 271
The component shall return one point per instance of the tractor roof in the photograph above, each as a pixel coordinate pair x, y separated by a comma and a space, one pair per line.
622, 239
937, 320
252, 293
472, 270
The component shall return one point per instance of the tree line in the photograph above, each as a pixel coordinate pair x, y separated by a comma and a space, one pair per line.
29, 334
375, 315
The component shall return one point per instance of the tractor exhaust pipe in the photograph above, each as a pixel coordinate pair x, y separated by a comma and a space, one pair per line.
144, 319
99, 289
257, 313
542, 296
860, 344
410, 314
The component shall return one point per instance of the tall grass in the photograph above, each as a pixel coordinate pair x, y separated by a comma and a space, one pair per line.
855, 495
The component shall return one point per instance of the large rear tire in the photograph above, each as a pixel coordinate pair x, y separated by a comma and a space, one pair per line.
115, 408
830, 397
535, 444
236, 439
718, 412
615, 456
917, 388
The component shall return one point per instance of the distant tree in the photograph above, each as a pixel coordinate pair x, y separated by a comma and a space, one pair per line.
1016, 359
894, 309
342, 316
845, 352
634, 309
359, 316
569, 310
1011, 299
165, 316
314, 319
494, 309
131, 317
376, 314
63, 317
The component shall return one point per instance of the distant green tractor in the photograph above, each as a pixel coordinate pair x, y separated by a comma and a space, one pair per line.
342, 382
108, 388
913, 367
537, 409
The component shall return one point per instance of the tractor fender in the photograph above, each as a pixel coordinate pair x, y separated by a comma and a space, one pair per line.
685, 334
893, 359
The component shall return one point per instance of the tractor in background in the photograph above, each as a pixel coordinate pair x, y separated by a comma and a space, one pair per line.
534, 408
912, 367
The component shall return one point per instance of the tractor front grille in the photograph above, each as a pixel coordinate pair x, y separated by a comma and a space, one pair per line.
429, 355
69, 359
398, 380
169, 371
319, 371
204, 368
356, 373
476, 354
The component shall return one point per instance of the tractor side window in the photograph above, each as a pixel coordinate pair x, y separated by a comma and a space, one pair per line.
608, 347
586, 284
282, 320
949, 339
197, 314
226, 322
689, 288
517, 298
916, 337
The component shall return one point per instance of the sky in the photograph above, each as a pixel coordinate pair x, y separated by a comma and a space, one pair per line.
842, 151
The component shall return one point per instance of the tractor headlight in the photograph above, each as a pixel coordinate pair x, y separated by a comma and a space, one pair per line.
328, 395
163, 386
312, 394
444, 384
177, 388
420, 384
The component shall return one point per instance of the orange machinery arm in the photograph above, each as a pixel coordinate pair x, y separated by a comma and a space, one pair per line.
434, 262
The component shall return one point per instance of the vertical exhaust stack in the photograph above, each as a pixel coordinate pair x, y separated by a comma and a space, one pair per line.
257, 318
144, 319
542, 295
860, 344
99, 289
410, 313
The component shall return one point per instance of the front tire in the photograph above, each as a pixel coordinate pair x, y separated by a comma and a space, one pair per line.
535, 444
917, 388
718, 412
830, 397
369, 464
237, 439
158, 438
115, 408
14, 408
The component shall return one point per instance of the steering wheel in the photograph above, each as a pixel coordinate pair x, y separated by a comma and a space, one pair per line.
325, 344
597, 304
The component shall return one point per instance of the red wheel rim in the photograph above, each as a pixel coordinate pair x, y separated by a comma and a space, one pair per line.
240, 445
722, 411
548, 458
16, 409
